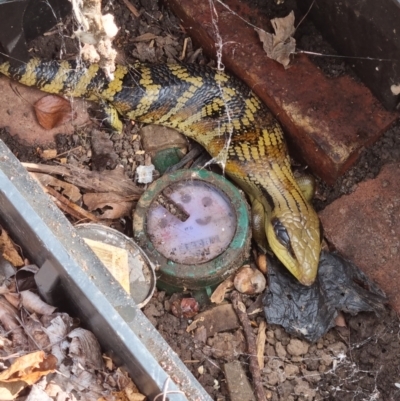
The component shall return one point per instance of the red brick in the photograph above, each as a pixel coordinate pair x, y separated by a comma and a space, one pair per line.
17, 113
327, 120
365, 228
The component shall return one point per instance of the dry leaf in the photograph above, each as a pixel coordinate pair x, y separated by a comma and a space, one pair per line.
56, 332
53, 111
114, 206
25, 370
9, 250
281, 45
146, 37
12, 298
219, 294
36, 393
34, 329
69, 190
8, 319
32, 303
85, 349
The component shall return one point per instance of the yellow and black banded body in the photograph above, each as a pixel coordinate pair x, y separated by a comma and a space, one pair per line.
223, 115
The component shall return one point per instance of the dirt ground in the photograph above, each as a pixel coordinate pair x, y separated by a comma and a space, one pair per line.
358, 362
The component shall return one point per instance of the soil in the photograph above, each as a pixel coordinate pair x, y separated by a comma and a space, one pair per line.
357, 362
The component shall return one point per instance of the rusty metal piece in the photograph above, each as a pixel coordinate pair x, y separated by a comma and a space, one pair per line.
328, 121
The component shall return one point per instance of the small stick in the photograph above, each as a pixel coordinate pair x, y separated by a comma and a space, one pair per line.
71, 207
185, 42
132, 8
240, 310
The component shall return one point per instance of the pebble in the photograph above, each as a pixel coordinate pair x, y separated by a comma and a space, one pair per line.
280, 350
285, 390
291, 371
312, 362
278, 334
272, 378
338, 348
271, 337
270, 351
325, 359
312, 376
297, 347
302, 388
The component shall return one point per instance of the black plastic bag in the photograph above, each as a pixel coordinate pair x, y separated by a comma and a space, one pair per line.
309, 312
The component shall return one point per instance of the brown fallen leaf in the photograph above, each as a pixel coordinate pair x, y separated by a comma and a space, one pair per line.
69, 190
25, 370
9, 321
34, 304
113, 206
85, 349
53, 111
8, 249
219, 294
281, 45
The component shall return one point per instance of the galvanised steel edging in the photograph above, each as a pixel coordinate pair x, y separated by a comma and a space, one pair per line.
71, 273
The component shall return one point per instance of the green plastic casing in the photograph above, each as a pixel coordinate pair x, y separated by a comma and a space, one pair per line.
172, 276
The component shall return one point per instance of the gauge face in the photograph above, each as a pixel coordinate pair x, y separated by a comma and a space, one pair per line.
191, 223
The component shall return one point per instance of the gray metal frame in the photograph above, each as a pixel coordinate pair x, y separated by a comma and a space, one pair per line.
68, 266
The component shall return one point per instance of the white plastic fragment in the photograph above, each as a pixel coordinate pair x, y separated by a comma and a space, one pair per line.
144, 174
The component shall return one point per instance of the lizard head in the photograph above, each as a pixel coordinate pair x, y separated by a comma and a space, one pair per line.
296, 241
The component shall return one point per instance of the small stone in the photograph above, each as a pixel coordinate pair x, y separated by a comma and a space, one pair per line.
320, 345
270, 351
291, 371
312, 376
326, 359
285, 390
155, 138
280, 350
272, 378
278, 334
302, 388
297, 347
322, 369
271, 337
338, 348
312, 363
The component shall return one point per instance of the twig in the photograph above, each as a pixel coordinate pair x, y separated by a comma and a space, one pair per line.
240, 310
132, 8
71, 207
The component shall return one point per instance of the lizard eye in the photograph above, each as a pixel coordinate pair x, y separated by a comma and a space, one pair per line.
281, 233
